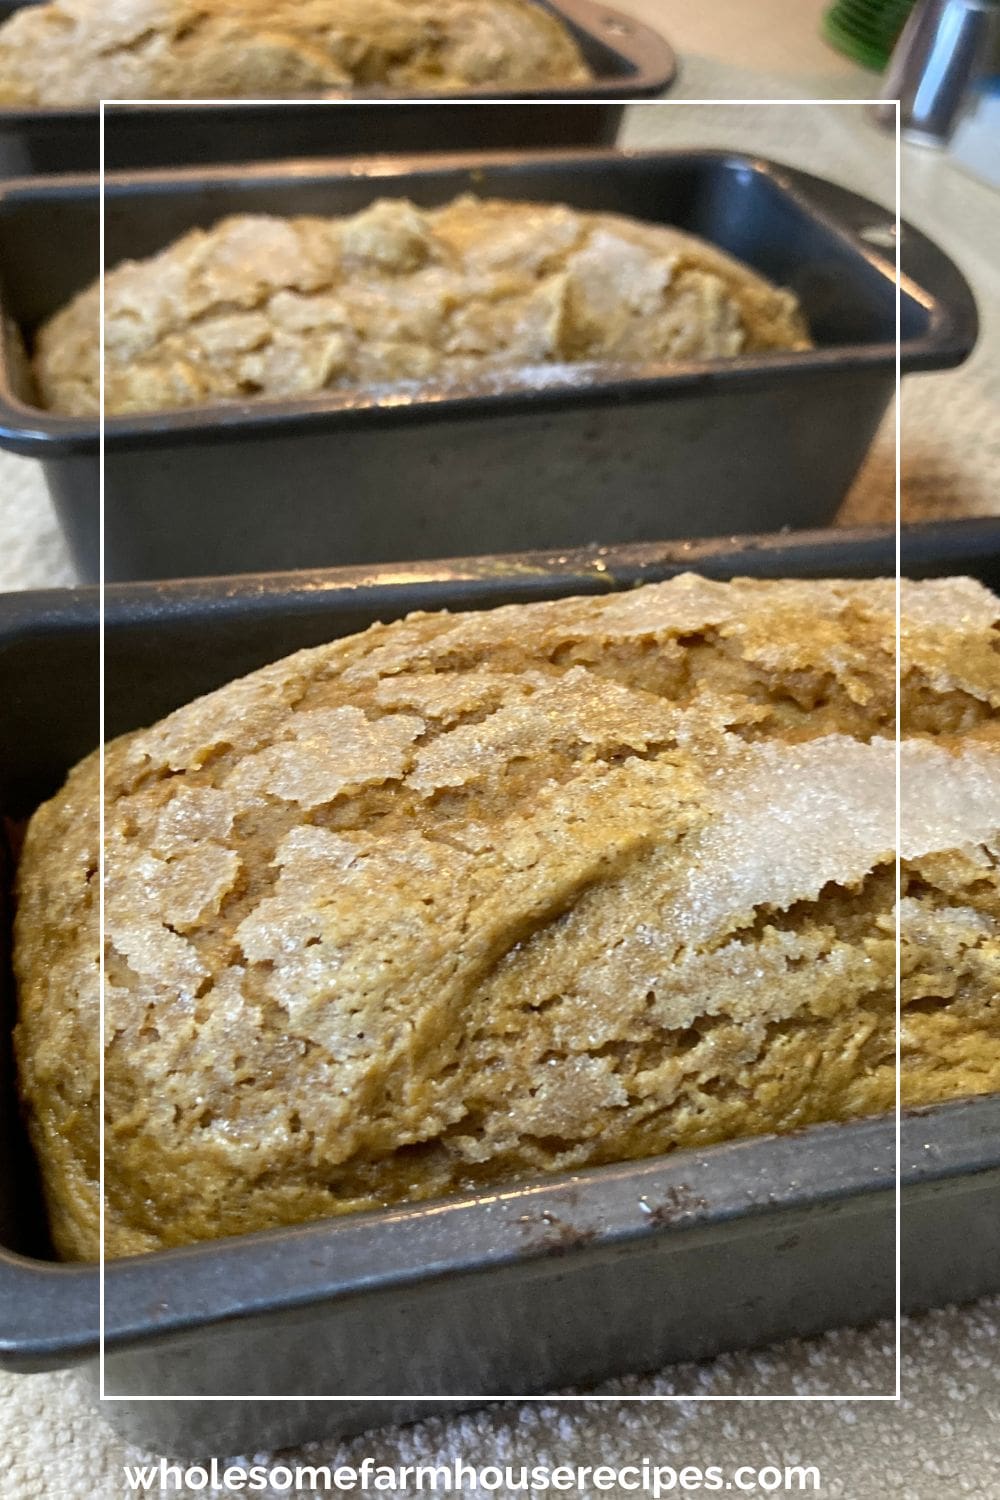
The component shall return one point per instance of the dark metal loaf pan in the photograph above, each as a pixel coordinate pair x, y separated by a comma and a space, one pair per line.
750, 444
629, 61
562, 1282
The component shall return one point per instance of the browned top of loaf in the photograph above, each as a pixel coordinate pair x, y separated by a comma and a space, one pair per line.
469, 896
77, 52
278, 308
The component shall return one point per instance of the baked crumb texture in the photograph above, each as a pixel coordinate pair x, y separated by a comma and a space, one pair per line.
468, 898
77, 52
280, 309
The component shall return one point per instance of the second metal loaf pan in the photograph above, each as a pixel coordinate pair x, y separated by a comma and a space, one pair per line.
614, 455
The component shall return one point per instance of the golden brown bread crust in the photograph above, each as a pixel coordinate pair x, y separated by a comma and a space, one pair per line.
77, 52
469, 897
272, 308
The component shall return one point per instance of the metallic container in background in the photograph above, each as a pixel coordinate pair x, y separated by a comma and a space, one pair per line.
943, 49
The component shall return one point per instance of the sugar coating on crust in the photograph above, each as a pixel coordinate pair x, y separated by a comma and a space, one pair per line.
77, 52
262, 307
470, 897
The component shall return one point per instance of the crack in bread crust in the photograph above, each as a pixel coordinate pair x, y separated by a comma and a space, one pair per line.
469, 897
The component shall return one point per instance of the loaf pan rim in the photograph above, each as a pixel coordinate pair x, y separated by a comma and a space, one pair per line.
632, 563
138, 1282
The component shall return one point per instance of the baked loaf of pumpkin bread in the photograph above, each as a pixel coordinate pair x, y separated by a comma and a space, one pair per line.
77, 52
287, 308
467, 898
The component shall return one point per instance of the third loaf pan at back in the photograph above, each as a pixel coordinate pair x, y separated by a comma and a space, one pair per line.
629, 61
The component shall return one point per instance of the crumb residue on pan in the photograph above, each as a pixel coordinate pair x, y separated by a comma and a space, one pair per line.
471, 897
264, 308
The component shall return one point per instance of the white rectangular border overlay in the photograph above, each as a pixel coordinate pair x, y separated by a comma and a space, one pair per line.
491, 1397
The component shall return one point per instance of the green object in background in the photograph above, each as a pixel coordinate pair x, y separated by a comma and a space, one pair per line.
866, 30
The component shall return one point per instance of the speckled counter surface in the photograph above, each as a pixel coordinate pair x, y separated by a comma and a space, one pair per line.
941, 1440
